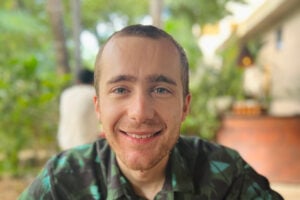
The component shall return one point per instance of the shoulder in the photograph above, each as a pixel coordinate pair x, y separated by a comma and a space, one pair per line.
207, 149
209, 161
69, 174
78, 158
224, 169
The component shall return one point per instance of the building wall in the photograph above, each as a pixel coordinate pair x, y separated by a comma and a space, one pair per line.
281, 58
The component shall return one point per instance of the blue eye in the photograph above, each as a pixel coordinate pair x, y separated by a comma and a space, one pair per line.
120, 90
161, 90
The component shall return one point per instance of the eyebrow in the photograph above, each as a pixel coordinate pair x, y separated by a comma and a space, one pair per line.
152, 78
121, 78
161, 78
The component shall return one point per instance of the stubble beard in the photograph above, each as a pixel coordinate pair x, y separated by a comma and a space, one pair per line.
143, 163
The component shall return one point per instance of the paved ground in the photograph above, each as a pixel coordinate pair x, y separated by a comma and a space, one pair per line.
288, 191
11, 188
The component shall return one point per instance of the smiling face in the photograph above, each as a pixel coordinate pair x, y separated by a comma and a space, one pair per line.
140, 100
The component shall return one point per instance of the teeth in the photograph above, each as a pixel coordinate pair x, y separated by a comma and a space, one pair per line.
140, 136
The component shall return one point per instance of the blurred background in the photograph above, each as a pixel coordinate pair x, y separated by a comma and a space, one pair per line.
245, 76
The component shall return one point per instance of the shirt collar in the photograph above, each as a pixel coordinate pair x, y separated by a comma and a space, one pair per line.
117, 184
180, 176
178, 179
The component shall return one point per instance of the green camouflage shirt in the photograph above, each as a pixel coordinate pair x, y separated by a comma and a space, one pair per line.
196, 170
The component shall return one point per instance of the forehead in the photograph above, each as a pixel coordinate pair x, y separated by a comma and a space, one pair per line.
126, 45
140, 54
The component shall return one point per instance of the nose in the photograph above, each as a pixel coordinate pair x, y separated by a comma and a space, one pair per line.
141, 108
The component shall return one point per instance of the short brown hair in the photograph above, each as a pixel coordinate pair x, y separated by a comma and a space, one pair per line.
149, 32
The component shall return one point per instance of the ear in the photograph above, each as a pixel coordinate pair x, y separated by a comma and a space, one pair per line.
97, 108
186, 106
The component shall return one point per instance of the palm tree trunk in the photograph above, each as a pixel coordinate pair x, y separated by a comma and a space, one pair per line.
76, 16
156, 7
55, 11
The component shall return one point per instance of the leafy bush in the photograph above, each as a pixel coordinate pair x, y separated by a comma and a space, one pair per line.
29, 89
213, 83
29, 102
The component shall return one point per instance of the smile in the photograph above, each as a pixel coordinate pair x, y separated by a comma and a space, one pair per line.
141, 136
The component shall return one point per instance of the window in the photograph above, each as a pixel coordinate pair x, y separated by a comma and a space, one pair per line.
279, 41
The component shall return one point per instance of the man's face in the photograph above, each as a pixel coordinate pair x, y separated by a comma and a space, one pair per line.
141, 104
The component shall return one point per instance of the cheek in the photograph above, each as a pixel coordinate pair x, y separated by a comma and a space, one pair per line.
109, 114
172, 115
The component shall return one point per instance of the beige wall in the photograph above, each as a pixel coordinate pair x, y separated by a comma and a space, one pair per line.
284, 65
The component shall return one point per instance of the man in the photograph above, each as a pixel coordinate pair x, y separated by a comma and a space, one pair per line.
141, 81
78, 122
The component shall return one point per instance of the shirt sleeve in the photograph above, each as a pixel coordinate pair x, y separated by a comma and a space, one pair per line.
251, 185
68, 175
40, 188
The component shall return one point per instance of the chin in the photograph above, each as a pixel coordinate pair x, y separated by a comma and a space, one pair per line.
143, 162
141, 166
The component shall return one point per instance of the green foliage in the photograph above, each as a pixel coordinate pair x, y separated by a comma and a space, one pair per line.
200, 11
209, 85
29, 88
95, 12
181, 31
29, 100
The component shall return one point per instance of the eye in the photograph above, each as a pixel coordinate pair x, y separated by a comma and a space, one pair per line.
161, 90
120, 90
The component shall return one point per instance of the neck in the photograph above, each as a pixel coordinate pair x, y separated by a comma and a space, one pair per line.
146, 183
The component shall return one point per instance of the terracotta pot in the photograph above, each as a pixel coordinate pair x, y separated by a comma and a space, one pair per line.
269, 144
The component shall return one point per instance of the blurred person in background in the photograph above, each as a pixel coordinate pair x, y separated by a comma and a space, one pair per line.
78, 123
